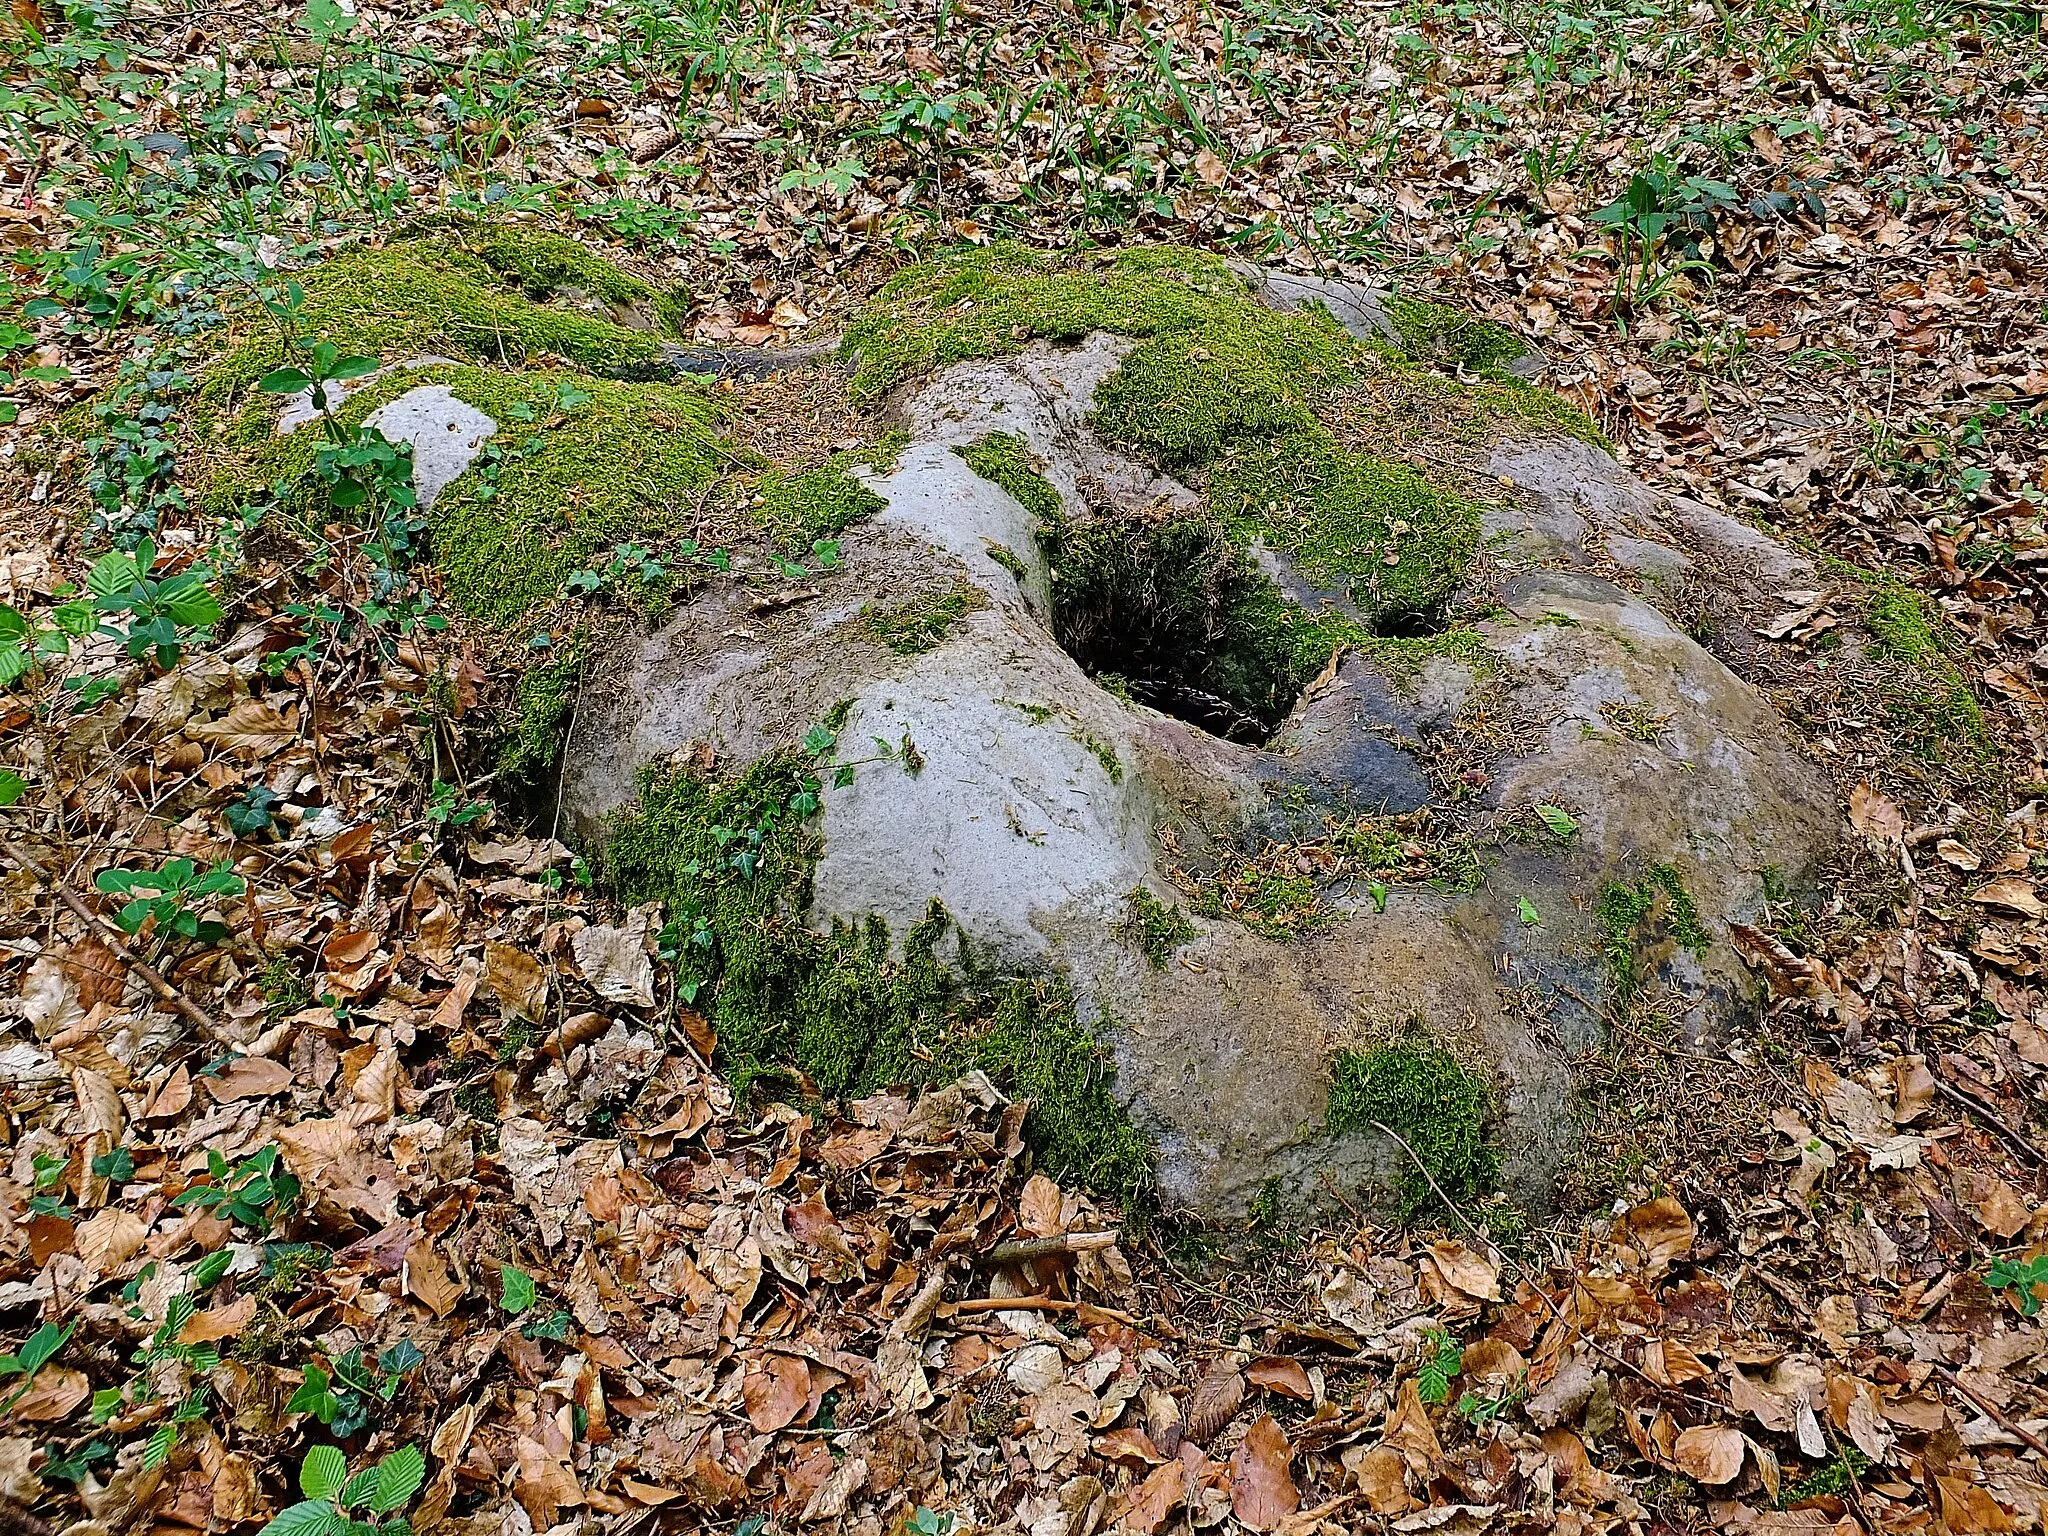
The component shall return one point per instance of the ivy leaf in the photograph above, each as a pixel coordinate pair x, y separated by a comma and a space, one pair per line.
519, 1292
1526, 910
12, 786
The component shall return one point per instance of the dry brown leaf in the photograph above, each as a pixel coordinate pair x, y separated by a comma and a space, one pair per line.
250, 1077
1381, 1477
107, 1241
1262, 1491
428, 1278
1710, 1453
1464, 1276
1409, 1432
775, 1392
1213, 1403
2012, 894
1875, 816
1662, 1232
56, 1393
1040, 1207
216, 1323
1968, 1510
1277, 1373
1211, 167
516, 979
250, 729
1147, 1506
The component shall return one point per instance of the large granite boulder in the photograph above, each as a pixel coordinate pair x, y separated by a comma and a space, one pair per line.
1594, 793
1265, 682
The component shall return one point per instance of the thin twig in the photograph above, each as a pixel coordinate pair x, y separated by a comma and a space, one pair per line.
1985, 1405
164, 990
1024, 1249
2015, 1143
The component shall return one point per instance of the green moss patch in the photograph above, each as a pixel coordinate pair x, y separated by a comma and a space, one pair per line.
544, 699
919, 624
1268, 411
476, 295
1421, 1092
1440, 334
1933, 710
1157, 927
1624, 910
1005, 459
834, 1013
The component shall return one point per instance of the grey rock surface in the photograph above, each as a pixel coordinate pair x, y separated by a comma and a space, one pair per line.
1046, 799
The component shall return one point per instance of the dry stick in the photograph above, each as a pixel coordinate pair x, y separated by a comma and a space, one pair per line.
1024, 1249
164, 990
2015, 1143
1502, 1259
1989, 1407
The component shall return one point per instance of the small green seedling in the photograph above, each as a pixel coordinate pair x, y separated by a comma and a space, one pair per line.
1444, 1361
2022, 1278
166, 895
35, 1353
163, 614
338, 1503
254, 1193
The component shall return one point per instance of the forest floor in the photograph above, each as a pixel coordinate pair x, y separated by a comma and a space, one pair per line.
345, 1147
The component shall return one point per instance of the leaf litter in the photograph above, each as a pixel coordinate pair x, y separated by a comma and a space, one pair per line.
430, 1155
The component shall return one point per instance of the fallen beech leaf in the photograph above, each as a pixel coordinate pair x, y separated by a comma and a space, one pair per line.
107, 1241
428, 1277
2013, 895
1381, 1476
1661, 1232
515, 979
775, 1392
1147, 1506
1131, 1445
616, 964
218, 1322
1277, 1373
1213, 1403
1262, 1491
1710, 1453
1211, 167
1470, 1275
56, 1393
250, 1077
1875, 816
1968, 1510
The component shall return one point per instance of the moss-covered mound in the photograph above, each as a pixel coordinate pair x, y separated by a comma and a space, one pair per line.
484, 294
732, 861
1272, 414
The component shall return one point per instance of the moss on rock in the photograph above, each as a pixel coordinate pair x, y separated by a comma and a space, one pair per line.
1004, 459
1425, 1095
476, 295
1238, 398
732, 860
